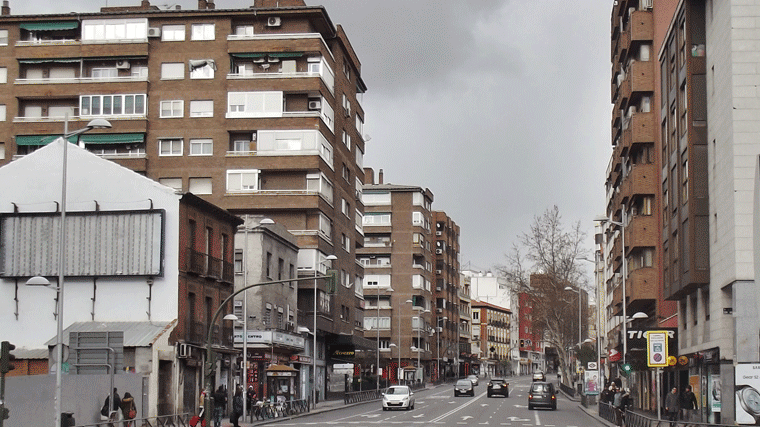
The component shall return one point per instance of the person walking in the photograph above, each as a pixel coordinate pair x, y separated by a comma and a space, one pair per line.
110, 412
237, 407
220, 404
688, 404
672, 406
128, 410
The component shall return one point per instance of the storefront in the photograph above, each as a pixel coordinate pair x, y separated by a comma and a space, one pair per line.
282, 383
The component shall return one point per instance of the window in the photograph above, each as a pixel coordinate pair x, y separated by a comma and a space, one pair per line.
3, 37
202, 32
280, 268
347, 139
373, 323
268, 266
174, 108
202, 108
346, 241
104, 73
117, 105
201, 147
244, 30
170, 147
173, 33
238, 261
172, 71
377, 218
2, 113
345, 207
203, 72
139, 71
3, 75
239, 181
114, 29
254, 104
200, 185
2, 150
175, 183
346, 173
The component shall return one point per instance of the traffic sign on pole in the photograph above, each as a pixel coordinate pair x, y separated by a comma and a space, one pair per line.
657, 349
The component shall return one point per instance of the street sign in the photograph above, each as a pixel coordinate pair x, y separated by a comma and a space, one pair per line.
657, 349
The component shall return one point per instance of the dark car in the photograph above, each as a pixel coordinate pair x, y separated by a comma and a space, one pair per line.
498, 386
542, 394
464, 387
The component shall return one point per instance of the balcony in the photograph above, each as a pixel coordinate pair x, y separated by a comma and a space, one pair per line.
208, 266
197, 333
640, 287
641, 231
641, 26
642, 179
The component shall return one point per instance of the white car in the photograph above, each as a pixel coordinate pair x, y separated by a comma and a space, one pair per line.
474, 379
399, 396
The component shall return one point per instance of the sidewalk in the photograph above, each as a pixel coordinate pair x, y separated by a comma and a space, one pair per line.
592, 410
323, 406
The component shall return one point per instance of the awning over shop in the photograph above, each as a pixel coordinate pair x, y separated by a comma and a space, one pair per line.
97, 138
49, 26
42, 60
267, 54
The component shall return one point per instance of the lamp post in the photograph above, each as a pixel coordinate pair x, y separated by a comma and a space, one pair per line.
438, 330
314, 349
399, 337
94, 124
604, 219
419, 326
577, 291
595, 261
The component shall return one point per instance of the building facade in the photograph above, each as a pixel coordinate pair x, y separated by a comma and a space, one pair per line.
256, 110
447, 290
492, 327
398, 257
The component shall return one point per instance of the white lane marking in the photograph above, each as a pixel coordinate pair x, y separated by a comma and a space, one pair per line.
469, 402
538, 421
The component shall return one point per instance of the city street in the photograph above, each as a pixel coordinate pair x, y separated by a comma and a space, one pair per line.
438, 406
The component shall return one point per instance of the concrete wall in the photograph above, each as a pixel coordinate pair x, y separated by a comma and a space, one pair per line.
30, 399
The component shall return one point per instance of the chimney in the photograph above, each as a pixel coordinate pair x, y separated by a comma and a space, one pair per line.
210, 5
6, 8
369, 176
202, 5
145, 4
380, 177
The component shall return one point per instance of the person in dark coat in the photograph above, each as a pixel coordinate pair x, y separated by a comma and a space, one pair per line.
220, 404
688, 403
128, 409
237, 407
672, 406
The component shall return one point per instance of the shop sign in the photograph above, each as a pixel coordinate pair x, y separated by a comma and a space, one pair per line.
300, 358
657, 349
281, 374
747, 384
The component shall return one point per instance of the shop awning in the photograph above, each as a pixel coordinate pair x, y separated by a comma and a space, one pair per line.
49, 26
41, 60
267, 54
97, 138
248, 55
281, 368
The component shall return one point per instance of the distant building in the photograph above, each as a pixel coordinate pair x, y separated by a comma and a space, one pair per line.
492, 326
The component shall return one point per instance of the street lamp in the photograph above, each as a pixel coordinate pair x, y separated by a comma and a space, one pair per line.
419, 326
604, 219
93, 124
314, 349
599, 331
438, 330
577, 291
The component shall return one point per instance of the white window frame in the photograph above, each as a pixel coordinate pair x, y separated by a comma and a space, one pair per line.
244, 31
235, 177
3, 112
201, 147
204, 72
104, 73
170, 147
3, 74
200, 185
3, 37
173, 33
199, 108
175, 183
172, 71
114, 30
174, 107
255, 104
200, 32
131, 104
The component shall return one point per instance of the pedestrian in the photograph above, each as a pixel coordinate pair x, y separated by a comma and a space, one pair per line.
111, 412
128, 409
250, 396
672, 406
625, 402
688, 403
220, 404
617, 403
237, 407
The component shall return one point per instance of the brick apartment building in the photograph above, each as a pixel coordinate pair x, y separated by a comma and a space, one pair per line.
256, 110
446, 293
398, 257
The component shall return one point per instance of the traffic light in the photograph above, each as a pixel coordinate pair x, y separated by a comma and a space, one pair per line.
6, 357
4, 413
626, 368
522, 343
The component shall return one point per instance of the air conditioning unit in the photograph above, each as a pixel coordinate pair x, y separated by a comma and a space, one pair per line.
259, 60
154, 32
438, 233
274, 21
439, 251
122, 64
439, 310
183, 351
438, 271
315, 105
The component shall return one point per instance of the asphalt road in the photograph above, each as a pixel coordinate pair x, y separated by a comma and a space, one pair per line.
439, 407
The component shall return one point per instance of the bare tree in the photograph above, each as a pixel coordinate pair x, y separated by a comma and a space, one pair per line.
541, 265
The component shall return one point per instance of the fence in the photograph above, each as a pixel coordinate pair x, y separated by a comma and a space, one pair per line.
176, 420
570, 391
634, 419
361, 396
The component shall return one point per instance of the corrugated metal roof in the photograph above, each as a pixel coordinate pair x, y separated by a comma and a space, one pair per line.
136, 334
36, 353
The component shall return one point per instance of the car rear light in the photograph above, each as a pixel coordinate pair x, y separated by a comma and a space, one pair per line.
553, 397
530, 396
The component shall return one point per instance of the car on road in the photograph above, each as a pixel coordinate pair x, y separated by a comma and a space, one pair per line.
498, 386
473, 378
539, 376
464, 387
399, 396
542, 394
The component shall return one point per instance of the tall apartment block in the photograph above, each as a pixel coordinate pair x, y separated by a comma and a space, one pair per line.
398, 258
446, 294
256, 110
630, 248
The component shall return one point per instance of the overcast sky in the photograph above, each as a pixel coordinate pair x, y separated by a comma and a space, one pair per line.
500, 108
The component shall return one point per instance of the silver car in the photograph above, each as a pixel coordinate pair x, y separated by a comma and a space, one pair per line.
399, 396
474, 379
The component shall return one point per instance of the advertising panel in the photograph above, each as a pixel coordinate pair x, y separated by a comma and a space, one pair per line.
747, 380
591, 381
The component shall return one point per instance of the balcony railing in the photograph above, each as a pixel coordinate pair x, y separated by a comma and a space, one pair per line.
205, 265
197, 334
